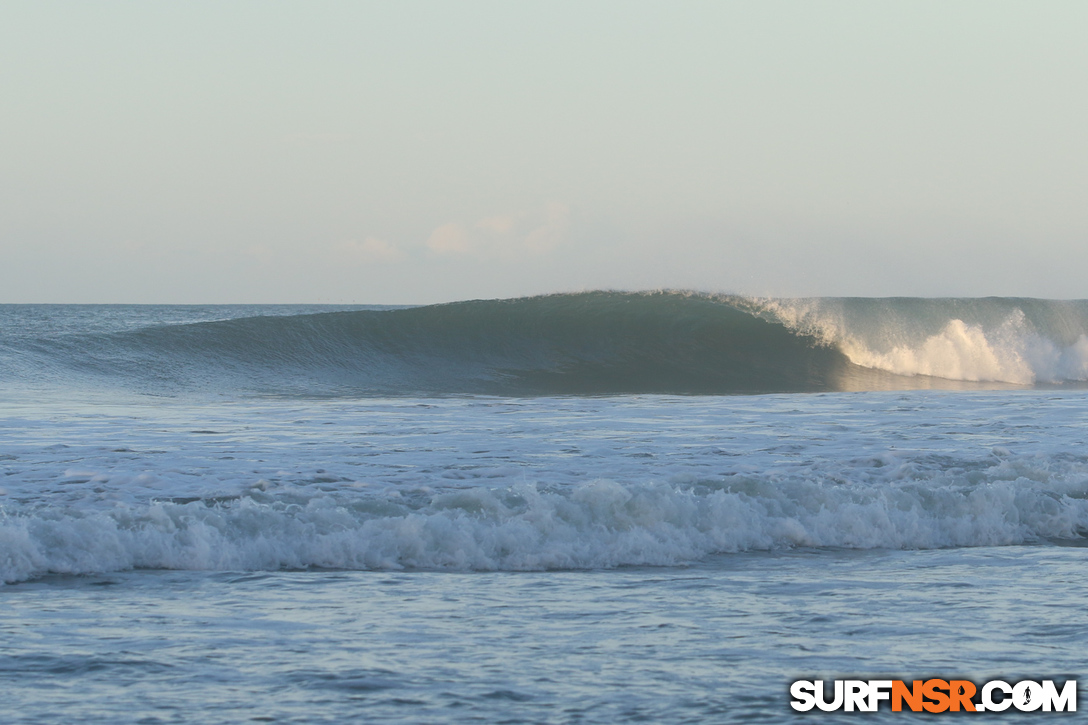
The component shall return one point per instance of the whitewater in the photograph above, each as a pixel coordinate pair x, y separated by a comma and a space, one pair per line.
592, 507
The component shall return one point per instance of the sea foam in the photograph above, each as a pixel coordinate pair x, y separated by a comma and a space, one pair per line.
596, 525
970, 340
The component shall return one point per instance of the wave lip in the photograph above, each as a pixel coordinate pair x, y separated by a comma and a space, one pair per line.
1002, 340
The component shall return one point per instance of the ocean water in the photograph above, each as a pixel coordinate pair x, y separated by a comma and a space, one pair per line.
591, 508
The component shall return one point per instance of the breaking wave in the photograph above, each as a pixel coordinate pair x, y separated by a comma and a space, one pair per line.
596, 525
1017, 341
587, 343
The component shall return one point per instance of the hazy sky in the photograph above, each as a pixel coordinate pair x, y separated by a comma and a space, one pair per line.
428, 151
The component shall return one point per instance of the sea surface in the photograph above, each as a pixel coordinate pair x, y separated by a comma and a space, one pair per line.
586, 508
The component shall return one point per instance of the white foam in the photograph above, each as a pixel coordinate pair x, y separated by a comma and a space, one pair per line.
487, 483
1011, 352
598, 524
958, 352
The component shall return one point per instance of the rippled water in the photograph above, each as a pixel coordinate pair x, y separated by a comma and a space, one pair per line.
716, 641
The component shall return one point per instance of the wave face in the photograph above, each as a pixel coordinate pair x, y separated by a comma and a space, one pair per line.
582, 344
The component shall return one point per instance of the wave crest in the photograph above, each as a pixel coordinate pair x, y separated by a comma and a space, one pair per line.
994, 340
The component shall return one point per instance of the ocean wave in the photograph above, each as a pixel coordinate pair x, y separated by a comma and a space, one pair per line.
585, 344
599, 524
1010, 340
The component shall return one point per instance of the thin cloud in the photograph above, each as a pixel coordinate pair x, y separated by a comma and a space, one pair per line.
516, 234
551, 233
451, 238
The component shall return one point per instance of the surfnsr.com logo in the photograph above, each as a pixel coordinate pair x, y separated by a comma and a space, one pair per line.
934, 695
